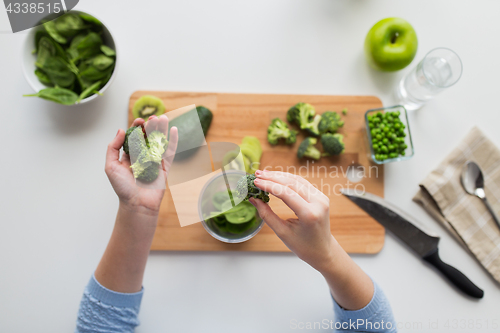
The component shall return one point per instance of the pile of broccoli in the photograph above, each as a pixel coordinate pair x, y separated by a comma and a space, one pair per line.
145, 152
246, 189
324, 126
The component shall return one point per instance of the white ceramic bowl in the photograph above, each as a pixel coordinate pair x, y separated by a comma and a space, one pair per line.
28, 59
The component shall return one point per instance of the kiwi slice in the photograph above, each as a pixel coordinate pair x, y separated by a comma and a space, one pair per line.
147, 106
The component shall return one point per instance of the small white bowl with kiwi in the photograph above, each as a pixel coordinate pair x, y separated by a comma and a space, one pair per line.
69, 60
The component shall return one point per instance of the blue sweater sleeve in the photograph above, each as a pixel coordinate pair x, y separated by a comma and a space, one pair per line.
107, 311
374, 317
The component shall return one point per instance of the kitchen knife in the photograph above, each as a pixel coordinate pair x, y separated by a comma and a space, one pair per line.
406, 228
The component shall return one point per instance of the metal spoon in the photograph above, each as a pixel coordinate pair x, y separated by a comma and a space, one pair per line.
473, 183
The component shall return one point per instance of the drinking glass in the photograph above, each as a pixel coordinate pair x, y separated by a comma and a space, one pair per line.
441, 68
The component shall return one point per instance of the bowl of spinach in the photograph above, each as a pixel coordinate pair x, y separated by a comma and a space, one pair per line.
69, 60
224, 215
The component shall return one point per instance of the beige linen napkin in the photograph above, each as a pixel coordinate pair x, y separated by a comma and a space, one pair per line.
465, 216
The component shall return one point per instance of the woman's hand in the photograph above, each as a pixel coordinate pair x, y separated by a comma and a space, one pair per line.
309, 236
132, 196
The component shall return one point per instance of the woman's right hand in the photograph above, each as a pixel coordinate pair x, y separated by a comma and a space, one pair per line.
308, 236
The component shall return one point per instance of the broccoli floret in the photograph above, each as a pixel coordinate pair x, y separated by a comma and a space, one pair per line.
145, 152
312, 127
246, 189
157, 143
144, 168
135, 141
330, 122
307, 149
333, 144
279, 130
304, 115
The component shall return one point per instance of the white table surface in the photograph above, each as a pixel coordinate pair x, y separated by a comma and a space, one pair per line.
57, 208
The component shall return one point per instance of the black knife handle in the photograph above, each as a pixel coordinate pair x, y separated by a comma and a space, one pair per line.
454, 275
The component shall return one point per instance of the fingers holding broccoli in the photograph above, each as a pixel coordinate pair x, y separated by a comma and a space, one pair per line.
145, 152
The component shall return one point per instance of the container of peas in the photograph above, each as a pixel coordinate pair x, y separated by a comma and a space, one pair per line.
389, 135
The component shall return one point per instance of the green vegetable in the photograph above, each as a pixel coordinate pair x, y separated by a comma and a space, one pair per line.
344, 111
307, 149
43, 77
229, 219
58, 95
330, 122
145, 152
304, 115
277, 130
69, 25
246, 189
333, 144
188, 142
51, 29
241, 213
108, 51
70, 54
252, 152
387, 135
90, 90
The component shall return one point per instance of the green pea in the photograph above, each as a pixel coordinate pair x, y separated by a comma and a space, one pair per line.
386, 129
403, 153
390, 147
397, 125
375, 146
378, 137
373, 132
385, 141
384, 149
403, 146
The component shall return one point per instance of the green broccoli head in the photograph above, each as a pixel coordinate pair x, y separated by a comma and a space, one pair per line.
311, 127
333, 144
277, 130
304, 115
330, 122
144, 168
300, 114
157, 143
307, 149
246, 189
145, 152
135, 141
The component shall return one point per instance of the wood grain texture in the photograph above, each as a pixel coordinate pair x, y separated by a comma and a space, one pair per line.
239, 115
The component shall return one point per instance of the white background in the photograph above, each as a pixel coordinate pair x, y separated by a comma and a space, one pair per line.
57, 208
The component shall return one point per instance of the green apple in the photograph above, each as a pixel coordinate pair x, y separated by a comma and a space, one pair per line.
391, 44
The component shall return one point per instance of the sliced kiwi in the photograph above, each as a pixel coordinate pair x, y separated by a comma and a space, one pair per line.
147, 106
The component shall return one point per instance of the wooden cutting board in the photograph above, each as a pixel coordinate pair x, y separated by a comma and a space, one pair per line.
239, 115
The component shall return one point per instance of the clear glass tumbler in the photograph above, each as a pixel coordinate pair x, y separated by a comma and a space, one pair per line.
441, 68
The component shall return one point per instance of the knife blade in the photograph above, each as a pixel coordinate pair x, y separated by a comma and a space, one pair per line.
422, 241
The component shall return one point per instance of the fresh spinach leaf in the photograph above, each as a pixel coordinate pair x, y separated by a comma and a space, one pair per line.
69, 25
58, 95
43, 77
90, 19
101, 62
108, 51
50, 27
84, 46
58, 72
89, 91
